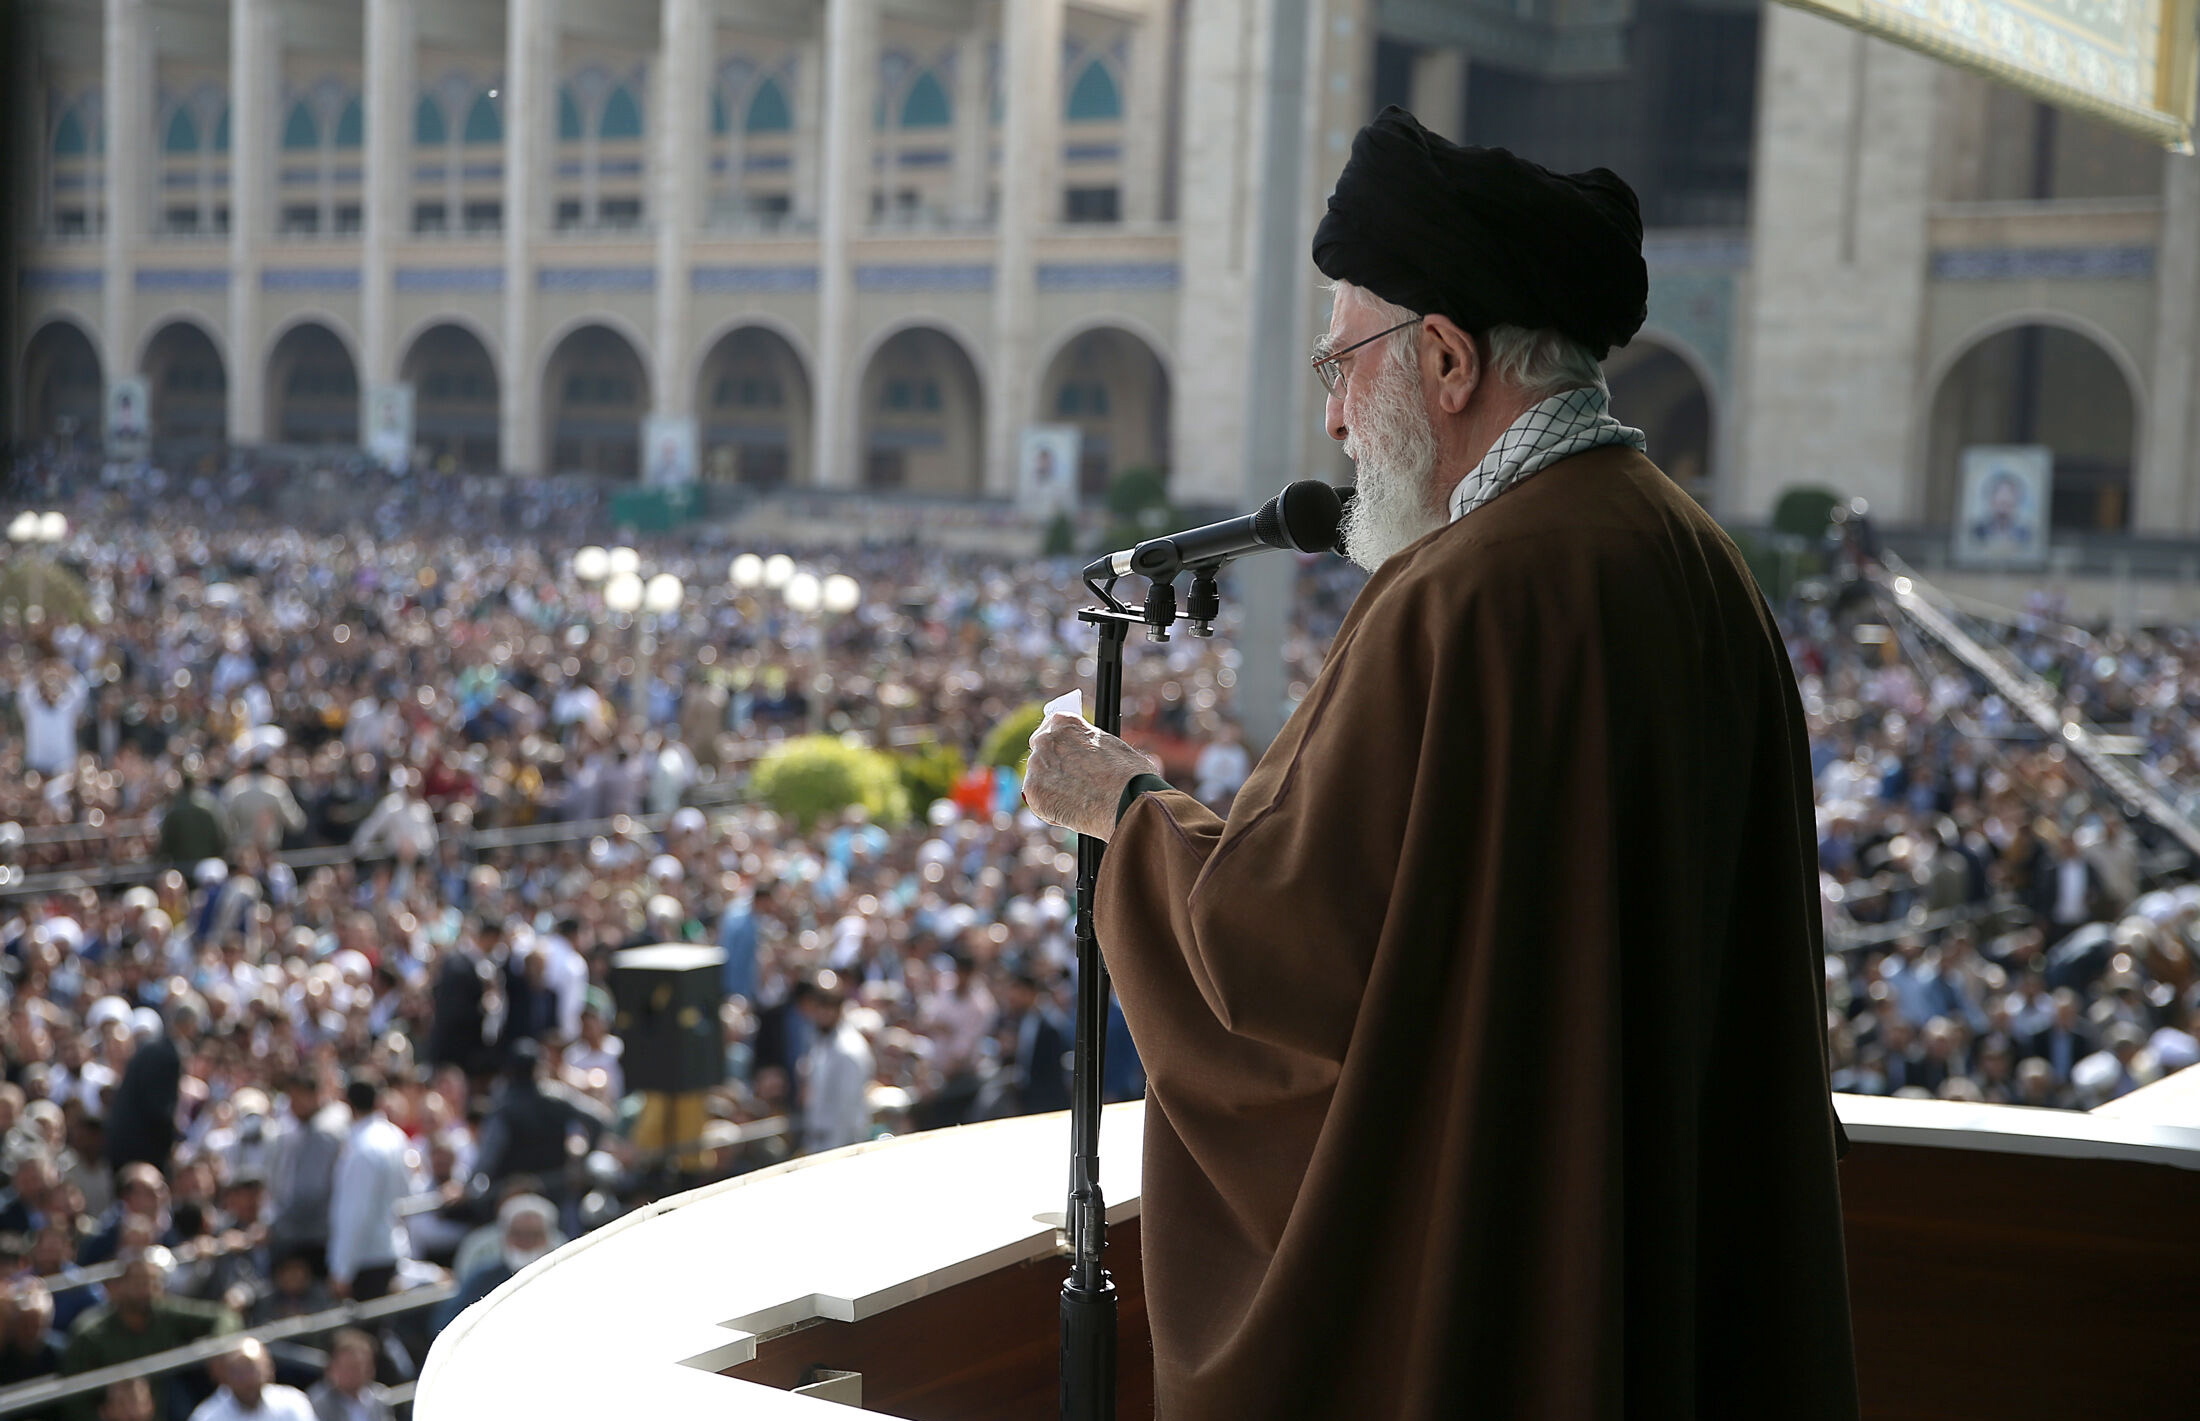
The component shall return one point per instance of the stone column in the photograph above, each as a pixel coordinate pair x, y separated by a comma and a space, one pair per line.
530, 108
255, 59
973, 155
1031, 200
808, 99
851, 77
2169, 445
1845, 136
1145, 116
678, 176
1439, 93
1279, 385
1216, 201
391, 35
127, 82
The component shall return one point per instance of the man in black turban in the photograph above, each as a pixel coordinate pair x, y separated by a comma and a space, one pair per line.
1484, 1040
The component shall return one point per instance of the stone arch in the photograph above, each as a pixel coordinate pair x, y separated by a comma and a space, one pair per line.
187, 380
64, 381
312, 385
2040, 378
1113, 385
595, 390
1663, 387
752, 406
921, 412
456, 395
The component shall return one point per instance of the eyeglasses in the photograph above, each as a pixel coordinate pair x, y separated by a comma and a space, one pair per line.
1325, 366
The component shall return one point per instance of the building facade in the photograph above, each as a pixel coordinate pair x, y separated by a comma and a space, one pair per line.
866, 243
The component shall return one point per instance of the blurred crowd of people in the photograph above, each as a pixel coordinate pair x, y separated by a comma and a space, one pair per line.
2000, 928
358, 820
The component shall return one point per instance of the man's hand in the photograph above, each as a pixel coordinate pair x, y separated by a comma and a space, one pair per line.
1077, 773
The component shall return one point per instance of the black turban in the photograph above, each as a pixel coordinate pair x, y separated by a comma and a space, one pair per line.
1485, 238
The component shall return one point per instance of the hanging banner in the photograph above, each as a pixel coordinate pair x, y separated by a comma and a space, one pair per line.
668, 449
1046, 481
129, 418
2007, 491
390, 426
2130, 62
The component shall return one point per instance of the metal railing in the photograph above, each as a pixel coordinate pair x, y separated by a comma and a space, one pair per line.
47, 1391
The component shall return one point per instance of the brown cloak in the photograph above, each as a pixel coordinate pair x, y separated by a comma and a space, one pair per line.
1486, 1058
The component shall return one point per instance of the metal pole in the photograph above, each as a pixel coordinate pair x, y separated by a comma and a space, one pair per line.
1088, 1294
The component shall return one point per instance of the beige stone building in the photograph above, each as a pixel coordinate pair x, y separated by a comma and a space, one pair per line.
864, 243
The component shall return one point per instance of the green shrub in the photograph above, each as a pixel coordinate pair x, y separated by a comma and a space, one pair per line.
1803, 513
928, 772
1061, 539
1008, 744
1138, 507
817, 776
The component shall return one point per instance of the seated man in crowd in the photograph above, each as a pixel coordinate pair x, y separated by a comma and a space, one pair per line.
249, 1391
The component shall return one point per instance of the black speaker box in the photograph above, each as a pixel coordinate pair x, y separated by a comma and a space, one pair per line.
667, 998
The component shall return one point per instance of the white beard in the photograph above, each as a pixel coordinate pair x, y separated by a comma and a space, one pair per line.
1394, 448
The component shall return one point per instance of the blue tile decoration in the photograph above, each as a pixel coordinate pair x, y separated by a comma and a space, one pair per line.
479, 172
619, 168
276, 278
2045, 264
766, 162
1092, 152
1697, 307
450, 278
723, 279
596, 278
183, 279
1696, 251
927, 158
1109, 276
428, 172
925, 278
63, 278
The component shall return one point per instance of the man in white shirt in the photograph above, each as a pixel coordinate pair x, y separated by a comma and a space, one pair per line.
365, 1238
249, 1391
836, 1074
51, 704
1222, 767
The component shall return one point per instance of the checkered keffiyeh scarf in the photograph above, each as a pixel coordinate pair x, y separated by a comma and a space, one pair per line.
1560, 427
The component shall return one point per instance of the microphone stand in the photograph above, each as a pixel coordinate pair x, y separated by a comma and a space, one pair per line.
1088, 1348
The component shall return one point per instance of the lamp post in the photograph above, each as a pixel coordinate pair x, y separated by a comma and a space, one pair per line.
37, 587
619, 570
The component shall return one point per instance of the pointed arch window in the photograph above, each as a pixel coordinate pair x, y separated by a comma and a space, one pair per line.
926, 105
569, 117
1095, 97
68, 137
351, 126
768, 110
622, 116
483, 123
182, 135
301, 130
429, 129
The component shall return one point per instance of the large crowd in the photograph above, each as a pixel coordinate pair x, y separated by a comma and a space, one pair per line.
319, 842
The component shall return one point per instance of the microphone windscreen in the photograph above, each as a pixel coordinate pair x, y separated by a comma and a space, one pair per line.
1310, 513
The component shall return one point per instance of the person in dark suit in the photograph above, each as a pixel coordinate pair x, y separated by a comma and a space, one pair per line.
141, 1116
460, 1012
2067, 1039
526, 1133
1038, 1041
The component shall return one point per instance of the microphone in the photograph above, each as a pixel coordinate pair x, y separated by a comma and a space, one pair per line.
1303, 518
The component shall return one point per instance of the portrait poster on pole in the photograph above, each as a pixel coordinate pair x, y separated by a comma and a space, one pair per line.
2130, 62
389, 426
668, 449
2002, 512
1046, 468
129, 418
